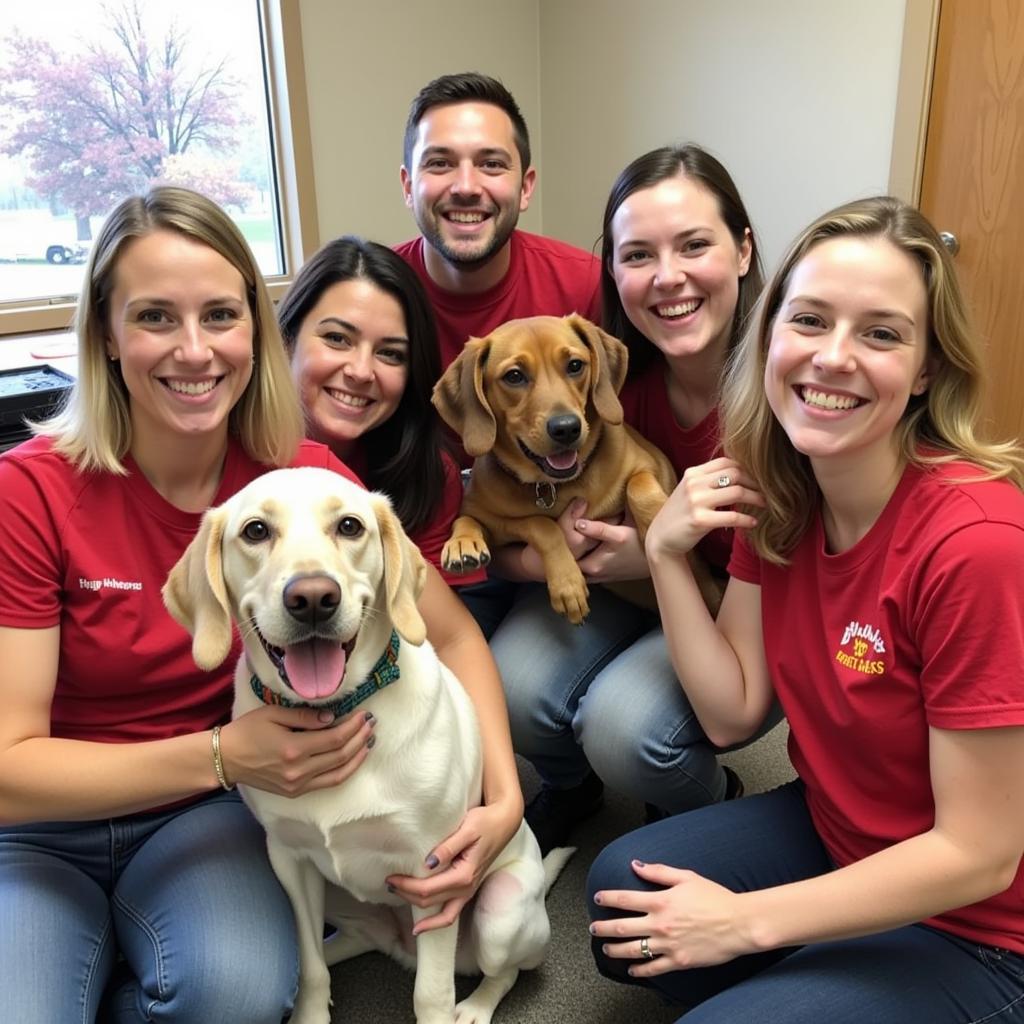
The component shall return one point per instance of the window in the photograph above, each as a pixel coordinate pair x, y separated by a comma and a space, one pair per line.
105, 97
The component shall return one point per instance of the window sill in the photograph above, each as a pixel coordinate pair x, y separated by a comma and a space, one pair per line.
57, 348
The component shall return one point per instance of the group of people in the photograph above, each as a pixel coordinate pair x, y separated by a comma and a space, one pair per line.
867, 541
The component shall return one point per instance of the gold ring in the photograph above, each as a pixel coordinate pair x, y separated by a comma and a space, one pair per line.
645, 949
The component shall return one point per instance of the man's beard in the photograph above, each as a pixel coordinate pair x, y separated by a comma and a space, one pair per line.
503, 227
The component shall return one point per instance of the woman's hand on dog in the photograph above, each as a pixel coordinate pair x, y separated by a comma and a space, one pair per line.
616, 552
526, 563
289, 751
605, 549
458, 865
700, 504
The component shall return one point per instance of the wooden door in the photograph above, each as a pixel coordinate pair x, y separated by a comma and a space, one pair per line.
973, 182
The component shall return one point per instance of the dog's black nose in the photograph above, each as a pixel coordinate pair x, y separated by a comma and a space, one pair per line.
564, 429
311, 599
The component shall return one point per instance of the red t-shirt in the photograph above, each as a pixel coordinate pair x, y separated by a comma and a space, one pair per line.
920, 624
431, 537
545, 278
90, 552
646, 407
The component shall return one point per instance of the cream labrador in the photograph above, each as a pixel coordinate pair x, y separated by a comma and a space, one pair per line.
324, 582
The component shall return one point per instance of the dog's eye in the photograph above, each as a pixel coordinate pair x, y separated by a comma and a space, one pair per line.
349, 526
515, 377
256, 530
575, 367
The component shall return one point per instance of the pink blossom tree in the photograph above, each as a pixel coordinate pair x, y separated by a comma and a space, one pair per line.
98, 124
213, 176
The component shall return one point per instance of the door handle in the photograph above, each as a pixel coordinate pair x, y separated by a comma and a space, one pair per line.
950, 241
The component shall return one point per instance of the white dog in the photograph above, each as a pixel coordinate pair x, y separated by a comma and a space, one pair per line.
324, 582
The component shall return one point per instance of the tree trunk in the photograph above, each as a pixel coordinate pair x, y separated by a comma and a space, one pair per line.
84, 227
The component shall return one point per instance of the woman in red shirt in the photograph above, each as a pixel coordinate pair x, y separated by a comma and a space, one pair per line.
875, 593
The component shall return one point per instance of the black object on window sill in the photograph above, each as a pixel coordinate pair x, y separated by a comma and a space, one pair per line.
29, 393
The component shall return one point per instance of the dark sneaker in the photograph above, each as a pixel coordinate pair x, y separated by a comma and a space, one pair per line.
553, 813
734, 787
733, 791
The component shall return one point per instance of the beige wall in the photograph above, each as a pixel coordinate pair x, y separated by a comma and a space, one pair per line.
796, 97
365, 60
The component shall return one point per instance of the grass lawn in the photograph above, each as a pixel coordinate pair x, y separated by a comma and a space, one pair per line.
257, 228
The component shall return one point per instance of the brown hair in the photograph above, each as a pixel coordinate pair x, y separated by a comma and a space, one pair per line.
689, 161
938, 426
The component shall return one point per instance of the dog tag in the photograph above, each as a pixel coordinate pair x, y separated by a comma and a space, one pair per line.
545, 501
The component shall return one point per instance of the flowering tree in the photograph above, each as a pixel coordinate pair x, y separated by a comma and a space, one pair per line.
214, 177
101, 123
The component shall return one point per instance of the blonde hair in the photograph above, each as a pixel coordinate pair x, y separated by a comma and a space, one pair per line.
937, 427
93, 430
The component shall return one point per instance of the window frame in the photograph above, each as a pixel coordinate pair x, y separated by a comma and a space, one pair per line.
281, 27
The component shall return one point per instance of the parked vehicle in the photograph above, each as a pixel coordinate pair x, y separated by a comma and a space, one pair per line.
66, 253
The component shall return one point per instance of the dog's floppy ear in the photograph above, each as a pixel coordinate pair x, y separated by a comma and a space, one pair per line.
611, 359
405, 574
459, 398
196, 597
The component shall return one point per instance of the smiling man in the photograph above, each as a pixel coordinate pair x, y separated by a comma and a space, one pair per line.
467, 177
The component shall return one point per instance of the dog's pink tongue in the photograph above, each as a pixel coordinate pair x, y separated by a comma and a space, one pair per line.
562, 460
315, 668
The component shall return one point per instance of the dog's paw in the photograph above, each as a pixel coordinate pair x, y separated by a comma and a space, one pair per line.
311, 1007
570, 600
306, 1014
463, 554
469, 1012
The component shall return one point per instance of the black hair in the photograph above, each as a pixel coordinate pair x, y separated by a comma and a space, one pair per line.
404, 453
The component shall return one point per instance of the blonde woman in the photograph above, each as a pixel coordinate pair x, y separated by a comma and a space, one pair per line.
875, 592
134, 883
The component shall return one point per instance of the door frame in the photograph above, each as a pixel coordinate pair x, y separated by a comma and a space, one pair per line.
913, 98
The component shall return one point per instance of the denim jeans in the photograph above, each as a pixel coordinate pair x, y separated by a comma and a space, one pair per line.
911, 974
603, 696
489, 601
165, 916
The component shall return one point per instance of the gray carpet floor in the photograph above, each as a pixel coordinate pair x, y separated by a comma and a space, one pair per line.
566, 989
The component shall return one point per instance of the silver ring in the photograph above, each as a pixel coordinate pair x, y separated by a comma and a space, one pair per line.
645, 949
723, 481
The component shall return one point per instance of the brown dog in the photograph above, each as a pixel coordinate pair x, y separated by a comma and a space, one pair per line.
536, 403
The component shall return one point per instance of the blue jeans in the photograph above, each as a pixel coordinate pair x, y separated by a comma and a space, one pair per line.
186, 897
489, 602
911, 974
604, 697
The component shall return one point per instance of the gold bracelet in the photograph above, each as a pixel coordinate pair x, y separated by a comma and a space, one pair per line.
218, 762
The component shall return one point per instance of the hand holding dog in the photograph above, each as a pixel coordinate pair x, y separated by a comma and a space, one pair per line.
290, 751
460, 864
528, 564
605, 549
617, 553
691, 922
700, 503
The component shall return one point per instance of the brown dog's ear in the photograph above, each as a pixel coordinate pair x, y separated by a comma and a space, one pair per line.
611, 359
459, 397
405, 574
196, 597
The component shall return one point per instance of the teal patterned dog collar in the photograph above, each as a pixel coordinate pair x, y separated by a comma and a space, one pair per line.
383, 674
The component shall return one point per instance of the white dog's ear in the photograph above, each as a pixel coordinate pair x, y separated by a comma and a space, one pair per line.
196, 597
405, 574
611, 359
459, 398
